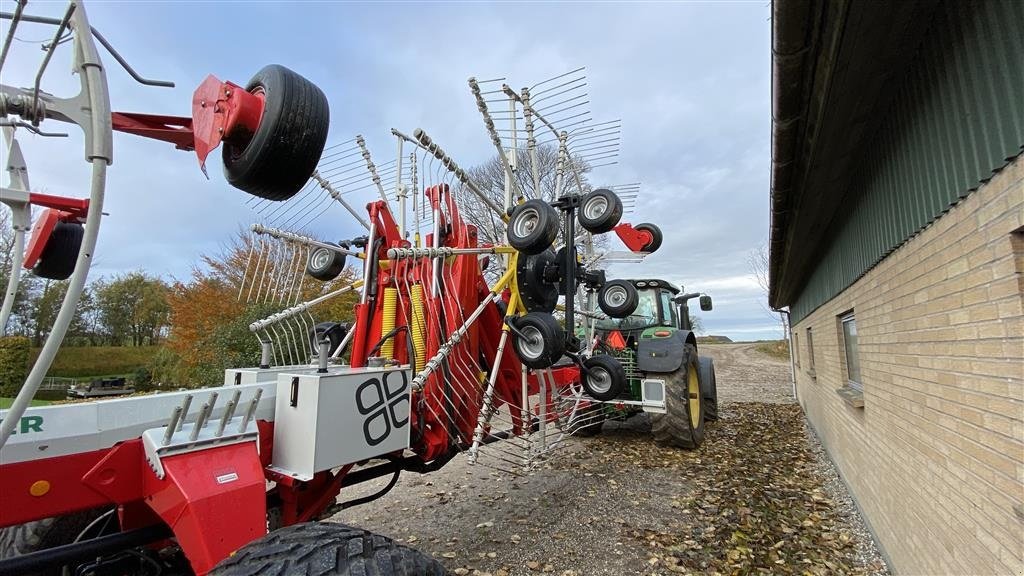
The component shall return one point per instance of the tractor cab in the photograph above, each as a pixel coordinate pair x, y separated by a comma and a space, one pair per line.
654, 306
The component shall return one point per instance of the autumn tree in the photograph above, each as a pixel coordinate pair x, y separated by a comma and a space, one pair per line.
212, 311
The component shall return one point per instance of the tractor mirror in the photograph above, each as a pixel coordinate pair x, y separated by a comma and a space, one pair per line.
705, 303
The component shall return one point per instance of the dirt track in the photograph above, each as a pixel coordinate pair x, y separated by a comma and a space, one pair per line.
618, 504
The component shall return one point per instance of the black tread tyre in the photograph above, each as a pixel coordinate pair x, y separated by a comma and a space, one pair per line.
533, 227
42, 534
607, 377
537, 293
600, 210
618, 298
544, 343
280, 157
324, 264
708, 388
656, 236
333, 332
677, 427
57, 261
325, 548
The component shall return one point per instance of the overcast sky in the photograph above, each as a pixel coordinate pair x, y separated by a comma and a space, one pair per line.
690, 82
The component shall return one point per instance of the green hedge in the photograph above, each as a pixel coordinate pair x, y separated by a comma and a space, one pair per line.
15, 353
88, 361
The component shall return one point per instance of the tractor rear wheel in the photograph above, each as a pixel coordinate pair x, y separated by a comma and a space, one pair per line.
42, 534
280, 157
329, 549
682, 424
708, 388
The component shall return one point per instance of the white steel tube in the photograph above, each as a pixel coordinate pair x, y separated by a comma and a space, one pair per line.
99, 152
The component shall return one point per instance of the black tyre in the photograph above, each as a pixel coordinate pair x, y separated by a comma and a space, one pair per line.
533, 227
543, 343
708, 389
279, 158
325, 548
47, 533
600, 211
618, 298
656, 236
682, 425
333, 332
604, 378
537, 293
57, 261
324, 264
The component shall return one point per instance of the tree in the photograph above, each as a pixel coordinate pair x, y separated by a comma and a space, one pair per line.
133, 308
490, 178
210, 313
760, 266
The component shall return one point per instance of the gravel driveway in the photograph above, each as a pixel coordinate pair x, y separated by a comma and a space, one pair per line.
618, 504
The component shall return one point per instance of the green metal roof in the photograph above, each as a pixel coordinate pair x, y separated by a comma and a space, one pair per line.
942, 120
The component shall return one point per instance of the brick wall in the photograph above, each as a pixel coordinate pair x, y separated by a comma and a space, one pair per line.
935, 458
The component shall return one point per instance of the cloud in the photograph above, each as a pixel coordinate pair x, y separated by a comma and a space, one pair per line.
690, 82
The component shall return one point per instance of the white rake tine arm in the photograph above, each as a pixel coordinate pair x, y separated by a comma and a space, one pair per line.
487, 408
443, 252
489, 123
337, 196
434, 363
424, 141
300, 308
300, 239
372, 168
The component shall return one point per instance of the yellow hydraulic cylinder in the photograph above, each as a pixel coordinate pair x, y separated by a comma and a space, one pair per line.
419, 326
387, 324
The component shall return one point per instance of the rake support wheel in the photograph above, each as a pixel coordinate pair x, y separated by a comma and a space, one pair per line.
543, 341
57, 261
600, 210
281, 155
604, 378
533, 227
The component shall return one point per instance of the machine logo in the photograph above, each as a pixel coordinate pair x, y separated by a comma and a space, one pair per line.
385, 406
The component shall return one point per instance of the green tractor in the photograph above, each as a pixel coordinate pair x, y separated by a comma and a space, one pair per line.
648, 331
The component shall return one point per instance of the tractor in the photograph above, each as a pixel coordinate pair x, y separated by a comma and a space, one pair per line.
648, 330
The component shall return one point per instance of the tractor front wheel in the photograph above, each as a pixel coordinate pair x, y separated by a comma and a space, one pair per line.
328, 549
682, 424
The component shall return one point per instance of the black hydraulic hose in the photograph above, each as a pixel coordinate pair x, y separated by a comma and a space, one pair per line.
396, 463
85, 550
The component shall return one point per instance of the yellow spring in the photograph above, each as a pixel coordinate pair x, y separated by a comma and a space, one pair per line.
387, 324
419, 326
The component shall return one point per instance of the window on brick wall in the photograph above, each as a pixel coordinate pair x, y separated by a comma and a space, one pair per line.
848, 324
810, 352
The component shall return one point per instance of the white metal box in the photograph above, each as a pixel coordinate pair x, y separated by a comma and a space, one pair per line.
323, 421
240, 376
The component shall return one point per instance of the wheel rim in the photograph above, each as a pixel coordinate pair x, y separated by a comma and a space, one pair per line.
600, 380
595, 208
321, 258
526, 222
532, 346
693, 391
615, 296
